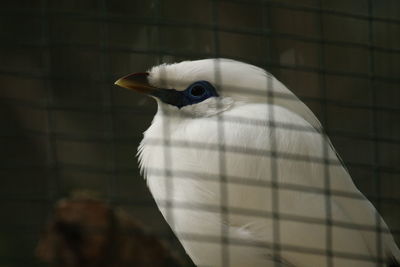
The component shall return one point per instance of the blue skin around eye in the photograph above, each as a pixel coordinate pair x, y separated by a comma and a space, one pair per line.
185, 98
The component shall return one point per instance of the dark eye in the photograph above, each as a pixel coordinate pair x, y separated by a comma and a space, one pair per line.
197, 91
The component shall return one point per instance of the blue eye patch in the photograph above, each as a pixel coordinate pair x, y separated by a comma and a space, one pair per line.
195, 93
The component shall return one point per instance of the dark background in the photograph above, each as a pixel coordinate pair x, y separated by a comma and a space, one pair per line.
65, 126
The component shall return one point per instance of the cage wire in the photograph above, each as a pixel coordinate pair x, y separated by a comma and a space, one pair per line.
67, 127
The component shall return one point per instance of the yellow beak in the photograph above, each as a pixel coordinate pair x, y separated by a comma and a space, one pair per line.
137, 82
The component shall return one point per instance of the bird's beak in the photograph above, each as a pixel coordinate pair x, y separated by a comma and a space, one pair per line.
137, 82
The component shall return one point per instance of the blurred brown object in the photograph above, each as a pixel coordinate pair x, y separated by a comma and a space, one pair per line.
85, 231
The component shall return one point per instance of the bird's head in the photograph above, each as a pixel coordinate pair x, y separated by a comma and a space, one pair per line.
192, 85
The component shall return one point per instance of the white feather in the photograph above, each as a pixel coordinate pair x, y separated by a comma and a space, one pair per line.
181, 157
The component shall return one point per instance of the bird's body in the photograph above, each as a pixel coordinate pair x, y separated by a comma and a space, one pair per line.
223, 167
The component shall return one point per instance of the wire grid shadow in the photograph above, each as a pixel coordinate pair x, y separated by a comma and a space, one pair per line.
67, 127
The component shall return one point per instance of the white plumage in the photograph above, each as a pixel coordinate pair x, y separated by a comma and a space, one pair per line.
186, 151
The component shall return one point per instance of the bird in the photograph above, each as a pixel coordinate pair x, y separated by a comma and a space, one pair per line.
245, 175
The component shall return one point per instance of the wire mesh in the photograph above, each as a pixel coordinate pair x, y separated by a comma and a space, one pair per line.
66, 127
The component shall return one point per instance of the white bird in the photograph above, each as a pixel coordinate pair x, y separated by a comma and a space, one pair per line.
241, 170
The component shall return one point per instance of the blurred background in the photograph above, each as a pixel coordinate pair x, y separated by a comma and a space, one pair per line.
65, 126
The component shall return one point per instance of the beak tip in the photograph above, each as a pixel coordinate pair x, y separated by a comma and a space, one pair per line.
135, 81
121, 83
117, 82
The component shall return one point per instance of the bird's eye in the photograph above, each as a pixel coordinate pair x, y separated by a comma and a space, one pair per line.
197, 91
